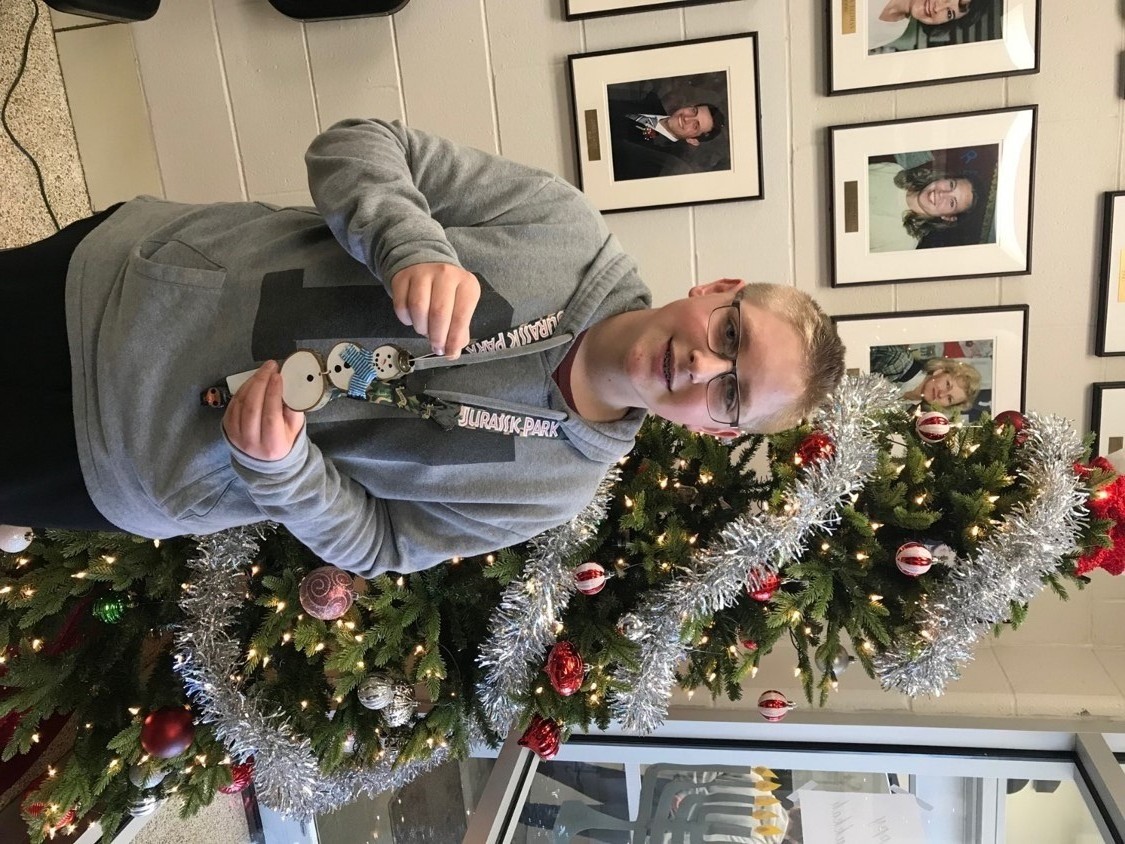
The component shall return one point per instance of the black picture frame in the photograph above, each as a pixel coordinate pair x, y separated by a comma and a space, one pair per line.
994, 149
654, 5
1104, 405
620, 169
1110, 338
1004, 41
993, 339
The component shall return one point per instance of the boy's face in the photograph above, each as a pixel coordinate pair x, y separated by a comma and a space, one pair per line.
669, 362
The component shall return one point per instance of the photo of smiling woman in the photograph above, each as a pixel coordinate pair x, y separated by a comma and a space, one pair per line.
952, 376
911, 24
917, 199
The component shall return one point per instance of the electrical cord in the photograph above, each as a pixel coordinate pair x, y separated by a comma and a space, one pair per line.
4, 113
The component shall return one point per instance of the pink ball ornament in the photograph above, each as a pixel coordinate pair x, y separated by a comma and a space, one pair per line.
913, 559
327, 593
589, 578
773, 705
932, 426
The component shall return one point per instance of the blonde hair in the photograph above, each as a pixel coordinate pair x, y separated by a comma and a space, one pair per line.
965, 374
824, 351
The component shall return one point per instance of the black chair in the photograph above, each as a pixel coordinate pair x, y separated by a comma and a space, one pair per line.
108, 10
323, 10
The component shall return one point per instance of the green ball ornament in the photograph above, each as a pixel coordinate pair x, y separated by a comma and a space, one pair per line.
110, 608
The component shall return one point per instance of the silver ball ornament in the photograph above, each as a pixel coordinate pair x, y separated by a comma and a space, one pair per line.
377, 691
631, 627
14, 539
839, 662
144, 804
146, 778
402, 708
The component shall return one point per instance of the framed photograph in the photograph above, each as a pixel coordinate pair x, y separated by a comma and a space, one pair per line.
971, 360
1108, 417
1111, 302
578, 9
947, 196
670, 124
878, 44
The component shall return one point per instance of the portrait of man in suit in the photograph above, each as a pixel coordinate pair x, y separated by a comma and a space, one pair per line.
669, 126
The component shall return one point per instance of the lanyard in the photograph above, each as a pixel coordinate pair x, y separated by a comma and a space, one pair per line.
376, 376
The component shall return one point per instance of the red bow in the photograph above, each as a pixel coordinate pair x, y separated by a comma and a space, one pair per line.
1106, 503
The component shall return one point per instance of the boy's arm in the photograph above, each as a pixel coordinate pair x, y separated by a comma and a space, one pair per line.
388, 192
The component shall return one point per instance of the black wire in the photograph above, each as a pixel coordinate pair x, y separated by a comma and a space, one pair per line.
4, 113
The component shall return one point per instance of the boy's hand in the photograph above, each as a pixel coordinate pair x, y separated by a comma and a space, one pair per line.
439, 301
257, 422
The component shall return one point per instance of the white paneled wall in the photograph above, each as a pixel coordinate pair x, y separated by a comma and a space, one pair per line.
234, 92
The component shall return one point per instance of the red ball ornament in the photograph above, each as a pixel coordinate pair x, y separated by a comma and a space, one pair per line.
542, 737
327, 593
773, 705
770, 584
750, 645
589, 578
932, 426
565, 668
240, 777
913, 559
68, 817
814, 448
1018, 422
167, 732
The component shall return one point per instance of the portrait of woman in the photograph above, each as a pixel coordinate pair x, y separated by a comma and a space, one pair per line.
908, 203
888, 20
945, 383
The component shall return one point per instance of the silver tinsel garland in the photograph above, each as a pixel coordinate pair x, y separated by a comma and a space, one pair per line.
1009, 566
750, 549
524, 624
286, 774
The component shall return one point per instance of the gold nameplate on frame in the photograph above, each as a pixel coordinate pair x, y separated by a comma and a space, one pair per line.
1121, 276
593, 144
851, 207
847, 17
1116, 444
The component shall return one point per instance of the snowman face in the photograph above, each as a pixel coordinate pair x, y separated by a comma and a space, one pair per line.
302, 376
339, 370
390, 362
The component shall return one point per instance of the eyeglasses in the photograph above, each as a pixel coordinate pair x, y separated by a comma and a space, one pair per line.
724, 338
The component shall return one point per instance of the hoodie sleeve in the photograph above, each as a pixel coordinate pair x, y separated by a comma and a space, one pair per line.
343, 524
388, 192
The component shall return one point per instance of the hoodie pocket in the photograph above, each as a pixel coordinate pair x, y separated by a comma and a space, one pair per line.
201, 496
177, 262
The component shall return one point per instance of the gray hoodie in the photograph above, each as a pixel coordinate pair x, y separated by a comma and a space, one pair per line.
165, 299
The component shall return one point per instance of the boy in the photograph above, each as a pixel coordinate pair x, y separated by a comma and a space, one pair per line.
163, 300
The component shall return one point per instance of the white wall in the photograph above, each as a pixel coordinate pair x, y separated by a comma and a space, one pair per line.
234, 91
